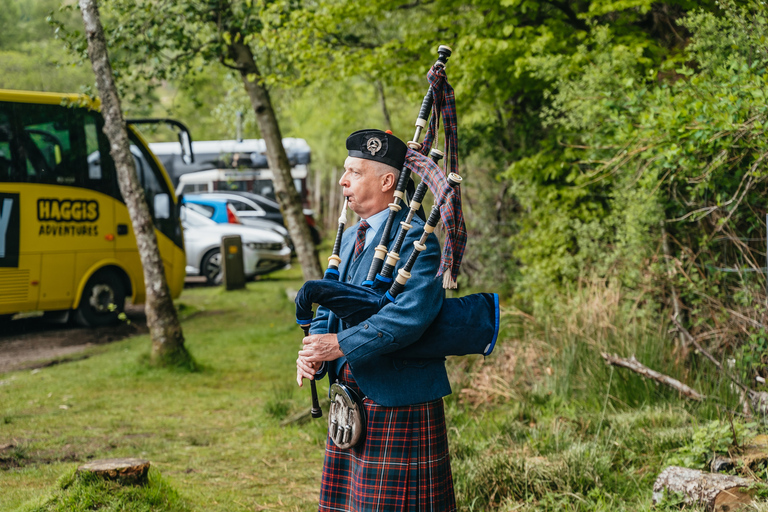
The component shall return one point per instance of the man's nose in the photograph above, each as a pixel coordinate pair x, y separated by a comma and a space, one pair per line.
343, 179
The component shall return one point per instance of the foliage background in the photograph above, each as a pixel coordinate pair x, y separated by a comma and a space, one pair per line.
615, 161
610, 140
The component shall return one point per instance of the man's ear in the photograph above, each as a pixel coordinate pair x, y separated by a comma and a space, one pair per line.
387, 182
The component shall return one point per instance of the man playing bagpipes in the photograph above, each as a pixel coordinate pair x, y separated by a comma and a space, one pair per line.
402, 462
384, 328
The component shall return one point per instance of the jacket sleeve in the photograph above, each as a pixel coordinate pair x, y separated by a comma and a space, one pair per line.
401, 323
320, 322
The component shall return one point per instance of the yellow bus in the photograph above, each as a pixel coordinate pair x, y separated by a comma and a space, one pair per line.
66, 240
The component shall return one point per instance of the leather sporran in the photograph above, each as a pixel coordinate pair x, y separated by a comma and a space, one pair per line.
346, 418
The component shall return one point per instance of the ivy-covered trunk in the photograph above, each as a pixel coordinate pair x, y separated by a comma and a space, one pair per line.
285, 190
164, 327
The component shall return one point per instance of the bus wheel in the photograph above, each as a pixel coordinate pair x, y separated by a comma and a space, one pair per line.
211, 267
103, 300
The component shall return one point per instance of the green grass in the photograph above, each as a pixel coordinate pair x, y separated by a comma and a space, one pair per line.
215, 434
90, 492
540, 425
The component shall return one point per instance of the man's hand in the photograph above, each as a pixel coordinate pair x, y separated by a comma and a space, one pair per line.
320, 347
305, 370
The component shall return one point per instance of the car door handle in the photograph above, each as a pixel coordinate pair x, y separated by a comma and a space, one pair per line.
122, 229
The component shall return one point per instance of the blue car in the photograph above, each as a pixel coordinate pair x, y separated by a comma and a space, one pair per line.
222, 211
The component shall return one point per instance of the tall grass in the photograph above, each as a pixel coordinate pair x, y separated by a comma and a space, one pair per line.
544, 424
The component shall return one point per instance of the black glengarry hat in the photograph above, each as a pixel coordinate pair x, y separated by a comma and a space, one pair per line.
378, 146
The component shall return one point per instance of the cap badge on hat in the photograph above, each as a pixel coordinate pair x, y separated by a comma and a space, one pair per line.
371, 143
374, 145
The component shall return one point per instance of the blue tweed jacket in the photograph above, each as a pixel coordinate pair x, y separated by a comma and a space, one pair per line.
388, 380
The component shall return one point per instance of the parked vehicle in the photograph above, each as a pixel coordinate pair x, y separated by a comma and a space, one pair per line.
247, 154
254, 206
222, 211
263, 251
66, 239
257, 181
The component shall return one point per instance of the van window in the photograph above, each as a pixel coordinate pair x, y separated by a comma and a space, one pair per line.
236, 185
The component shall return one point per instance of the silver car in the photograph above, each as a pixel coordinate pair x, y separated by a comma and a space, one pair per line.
263, 251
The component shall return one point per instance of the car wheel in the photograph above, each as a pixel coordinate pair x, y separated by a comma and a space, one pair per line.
210, 268
102, 301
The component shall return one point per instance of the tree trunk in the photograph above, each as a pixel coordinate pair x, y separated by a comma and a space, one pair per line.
164, 327
383, 103
285, 190
717, 492
125, 471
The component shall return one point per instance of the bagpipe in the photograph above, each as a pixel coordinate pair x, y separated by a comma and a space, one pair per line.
465, 325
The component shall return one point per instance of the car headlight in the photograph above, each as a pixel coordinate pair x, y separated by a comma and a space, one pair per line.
265, 246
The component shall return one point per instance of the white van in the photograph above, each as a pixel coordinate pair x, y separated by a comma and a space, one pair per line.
257, 181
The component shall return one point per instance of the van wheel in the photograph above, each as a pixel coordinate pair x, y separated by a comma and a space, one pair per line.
211, 267
103, 300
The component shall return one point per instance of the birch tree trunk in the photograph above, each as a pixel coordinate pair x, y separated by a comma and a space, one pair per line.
164, 327
285, 190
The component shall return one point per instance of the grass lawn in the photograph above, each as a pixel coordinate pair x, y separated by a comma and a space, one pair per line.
541, 425
214, 435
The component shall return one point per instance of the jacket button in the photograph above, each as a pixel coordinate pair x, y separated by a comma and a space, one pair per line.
380, 335
366, 326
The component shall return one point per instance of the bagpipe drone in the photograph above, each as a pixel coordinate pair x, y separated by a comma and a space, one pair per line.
466, 325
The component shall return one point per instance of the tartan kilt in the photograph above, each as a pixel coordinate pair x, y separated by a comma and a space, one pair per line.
401, 465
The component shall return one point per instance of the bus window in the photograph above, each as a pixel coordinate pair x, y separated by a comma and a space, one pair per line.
51, 148
101, 175
156, 192
7, 161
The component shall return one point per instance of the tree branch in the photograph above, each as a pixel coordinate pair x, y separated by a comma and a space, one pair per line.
637, 367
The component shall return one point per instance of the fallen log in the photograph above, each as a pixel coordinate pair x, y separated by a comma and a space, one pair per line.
637, 367
125, 471
716, 492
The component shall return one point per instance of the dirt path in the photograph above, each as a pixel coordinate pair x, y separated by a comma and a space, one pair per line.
35, 343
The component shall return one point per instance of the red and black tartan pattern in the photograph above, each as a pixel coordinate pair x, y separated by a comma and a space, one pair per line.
401, 465
443, 105
360, 240
450, 212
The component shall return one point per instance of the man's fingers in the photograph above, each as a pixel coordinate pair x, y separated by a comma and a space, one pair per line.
305, 366
310, 356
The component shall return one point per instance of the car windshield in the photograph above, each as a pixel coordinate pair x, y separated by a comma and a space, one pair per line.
192, 219
203, 209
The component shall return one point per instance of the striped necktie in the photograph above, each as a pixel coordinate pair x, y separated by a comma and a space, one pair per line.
360, 240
